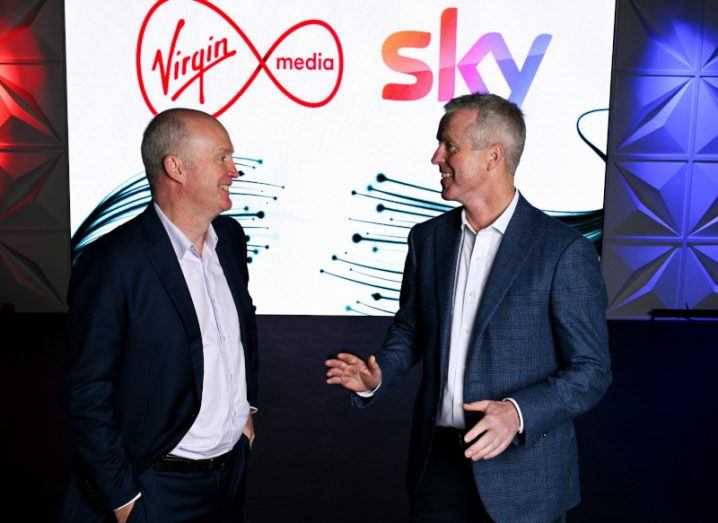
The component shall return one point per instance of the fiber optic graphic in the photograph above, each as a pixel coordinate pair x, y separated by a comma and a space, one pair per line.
374, 262
251, 202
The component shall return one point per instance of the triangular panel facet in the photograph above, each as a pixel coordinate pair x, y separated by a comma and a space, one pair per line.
706, 122
645, 199
700, 285
656, 117
703, 212
642, 277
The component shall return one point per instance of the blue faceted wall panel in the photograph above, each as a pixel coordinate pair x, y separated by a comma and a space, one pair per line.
660, 246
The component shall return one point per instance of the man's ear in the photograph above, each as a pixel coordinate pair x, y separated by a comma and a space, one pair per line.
174, 167
496, 155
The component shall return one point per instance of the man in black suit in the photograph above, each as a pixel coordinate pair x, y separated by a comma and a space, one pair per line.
504, 307
162, 345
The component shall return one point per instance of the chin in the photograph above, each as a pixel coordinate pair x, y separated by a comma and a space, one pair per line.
226, 205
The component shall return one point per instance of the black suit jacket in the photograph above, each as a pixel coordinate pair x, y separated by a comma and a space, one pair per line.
133, 382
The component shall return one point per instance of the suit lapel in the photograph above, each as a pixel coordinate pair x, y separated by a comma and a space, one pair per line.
447, 238
163, 259
518, 241
228, 261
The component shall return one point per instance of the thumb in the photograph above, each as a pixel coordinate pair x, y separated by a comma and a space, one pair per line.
479, 406
373, 365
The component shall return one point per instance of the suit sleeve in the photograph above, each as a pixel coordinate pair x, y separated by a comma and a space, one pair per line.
95, 326
578, 320
399, 351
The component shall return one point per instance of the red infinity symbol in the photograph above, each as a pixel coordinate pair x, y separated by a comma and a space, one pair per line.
261, 60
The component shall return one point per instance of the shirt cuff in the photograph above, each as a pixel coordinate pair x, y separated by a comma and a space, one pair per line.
521, 416
368, 393
130, 501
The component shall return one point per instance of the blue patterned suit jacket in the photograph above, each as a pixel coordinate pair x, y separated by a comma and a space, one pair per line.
539, 337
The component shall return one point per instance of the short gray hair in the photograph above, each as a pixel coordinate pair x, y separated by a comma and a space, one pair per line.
498, 121
163, 136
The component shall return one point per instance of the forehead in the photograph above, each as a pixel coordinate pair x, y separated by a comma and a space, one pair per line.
455, 124
208, 132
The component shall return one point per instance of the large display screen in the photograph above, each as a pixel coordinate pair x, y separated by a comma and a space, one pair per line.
333, 108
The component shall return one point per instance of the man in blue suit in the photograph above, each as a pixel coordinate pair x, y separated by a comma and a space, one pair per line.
505, 309
162, 344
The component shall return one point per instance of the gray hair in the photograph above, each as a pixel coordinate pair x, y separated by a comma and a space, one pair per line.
163, 136
498, 121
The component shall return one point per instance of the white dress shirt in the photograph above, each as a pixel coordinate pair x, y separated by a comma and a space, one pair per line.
224, 408
477, 251
476, 257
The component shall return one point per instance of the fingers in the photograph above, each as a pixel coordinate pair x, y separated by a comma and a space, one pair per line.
475, 431
347, 375
498, 450
348, 382
335, 363
339, 374
487, 447
352, 372
349, 359
477, 406
334, 372
491, 444
346, 370
344, 360
481, 426
249, 432
497, 428
479, 449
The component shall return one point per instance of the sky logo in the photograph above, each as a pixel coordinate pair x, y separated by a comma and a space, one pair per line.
518, 80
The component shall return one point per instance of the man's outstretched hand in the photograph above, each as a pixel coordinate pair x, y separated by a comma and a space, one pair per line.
352, 372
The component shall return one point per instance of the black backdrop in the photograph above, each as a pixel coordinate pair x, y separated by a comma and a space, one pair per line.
647, 450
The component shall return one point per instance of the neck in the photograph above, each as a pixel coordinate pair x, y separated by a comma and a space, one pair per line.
483, 210
192, 226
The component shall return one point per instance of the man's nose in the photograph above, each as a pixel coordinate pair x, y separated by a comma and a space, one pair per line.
438, 156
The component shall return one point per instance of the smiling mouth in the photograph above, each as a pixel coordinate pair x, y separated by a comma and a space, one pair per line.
225, 187
446, 175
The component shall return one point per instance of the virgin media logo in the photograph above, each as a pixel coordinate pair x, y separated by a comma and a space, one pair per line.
191, 53
518, 79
